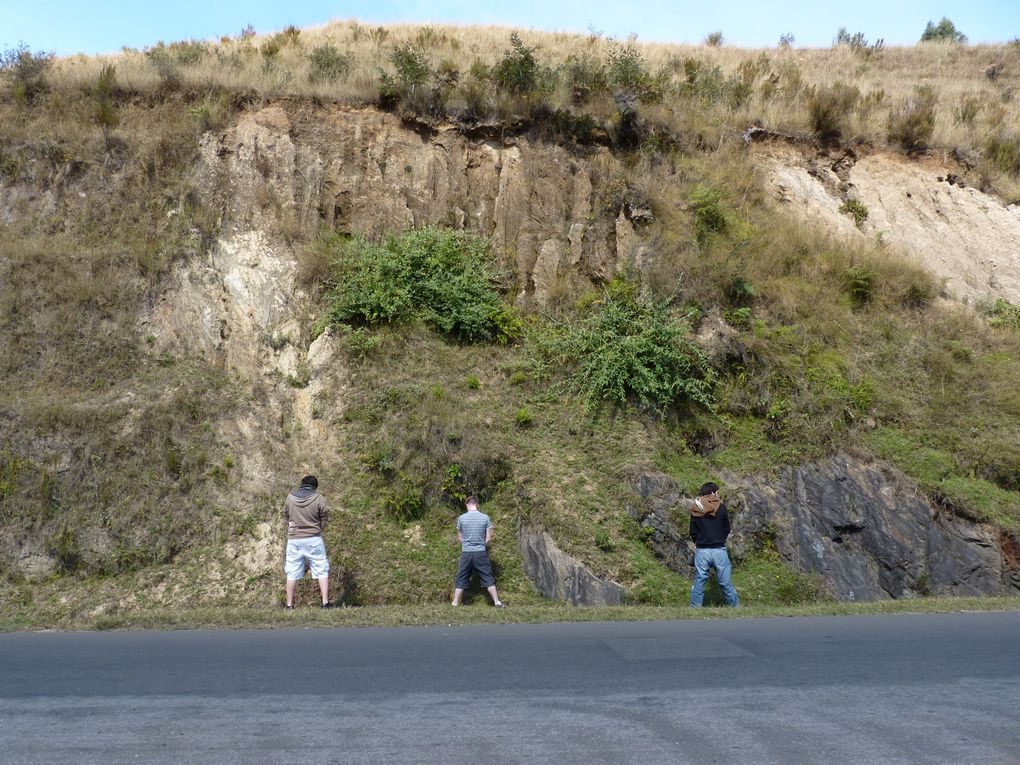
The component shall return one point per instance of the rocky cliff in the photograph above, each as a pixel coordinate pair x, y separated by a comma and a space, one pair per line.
863, 528
234, 302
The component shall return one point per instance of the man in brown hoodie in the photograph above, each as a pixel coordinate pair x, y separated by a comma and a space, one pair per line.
306, 514
710, 526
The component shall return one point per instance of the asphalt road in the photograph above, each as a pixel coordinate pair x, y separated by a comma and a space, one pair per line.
885, 689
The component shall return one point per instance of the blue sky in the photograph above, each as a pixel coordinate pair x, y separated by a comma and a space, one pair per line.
67, 27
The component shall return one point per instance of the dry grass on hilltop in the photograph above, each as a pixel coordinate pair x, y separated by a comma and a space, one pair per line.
972, 99
973, 87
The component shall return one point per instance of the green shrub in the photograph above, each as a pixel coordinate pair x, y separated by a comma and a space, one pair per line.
406, 501
187, 52
703, 81
361, 342
714, 39
740, 292
738, 317
212, 113
328, 64
411, 65
603, 541
633, 350
442, 277
1004, 314
829, 109
709, 216
859, 284
585, 76
944, 30
523, 418
300, 378
856, 210
911, 126
104, 110
26, 71
165, 65
626, 68
518, 71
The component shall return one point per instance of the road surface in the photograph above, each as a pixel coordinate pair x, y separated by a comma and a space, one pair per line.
883, 689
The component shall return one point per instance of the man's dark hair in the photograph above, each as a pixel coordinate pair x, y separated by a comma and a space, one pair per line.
471, 500
310, 480
708, 488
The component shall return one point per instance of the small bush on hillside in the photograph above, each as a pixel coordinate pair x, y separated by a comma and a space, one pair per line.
164, 64
967, 111
585, 77
407, 500
703, 81
858, 43
631, 350
26, 71
1003, 151
415, 86
1004, 314
104, 110
709, 216
944, 30
856, 210
740, 291
441, 277
859, 284
714, 39
523, 418
518, 71
626, 68
328, 64
212, 113
829, 109
911, 126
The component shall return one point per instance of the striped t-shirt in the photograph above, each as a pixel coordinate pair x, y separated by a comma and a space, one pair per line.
472, 526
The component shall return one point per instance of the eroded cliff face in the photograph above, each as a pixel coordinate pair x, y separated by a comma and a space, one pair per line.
287, 173
862, 527
921, 209
279, 174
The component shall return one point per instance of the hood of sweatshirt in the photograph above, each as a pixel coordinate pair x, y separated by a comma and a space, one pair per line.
304, 496
707, 505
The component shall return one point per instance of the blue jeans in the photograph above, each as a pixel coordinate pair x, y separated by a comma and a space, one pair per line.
708, 558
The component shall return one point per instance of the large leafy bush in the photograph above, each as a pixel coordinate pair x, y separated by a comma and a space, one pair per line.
444, 278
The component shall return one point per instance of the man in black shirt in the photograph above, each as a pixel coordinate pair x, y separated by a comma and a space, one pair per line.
710, 525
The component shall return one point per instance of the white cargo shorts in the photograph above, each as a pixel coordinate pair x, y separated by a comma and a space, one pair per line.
311, 551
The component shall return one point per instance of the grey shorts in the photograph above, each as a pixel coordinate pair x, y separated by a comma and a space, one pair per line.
474, 562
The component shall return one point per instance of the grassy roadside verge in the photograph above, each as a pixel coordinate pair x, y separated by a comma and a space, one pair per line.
444, 615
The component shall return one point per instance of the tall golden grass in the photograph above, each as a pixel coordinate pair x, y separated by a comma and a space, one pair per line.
958, 73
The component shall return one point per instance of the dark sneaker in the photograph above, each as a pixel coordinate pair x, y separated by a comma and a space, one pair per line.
500, 604
288, 608
328, 605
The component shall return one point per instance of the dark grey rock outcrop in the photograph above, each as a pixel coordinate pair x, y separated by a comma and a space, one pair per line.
864, 528
556, 575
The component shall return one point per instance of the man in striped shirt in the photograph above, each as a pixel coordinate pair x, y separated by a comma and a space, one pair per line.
474, 532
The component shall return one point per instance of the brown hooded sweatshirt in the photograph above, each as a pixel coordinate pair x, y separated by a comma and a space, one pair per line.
707, 505
305, 512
